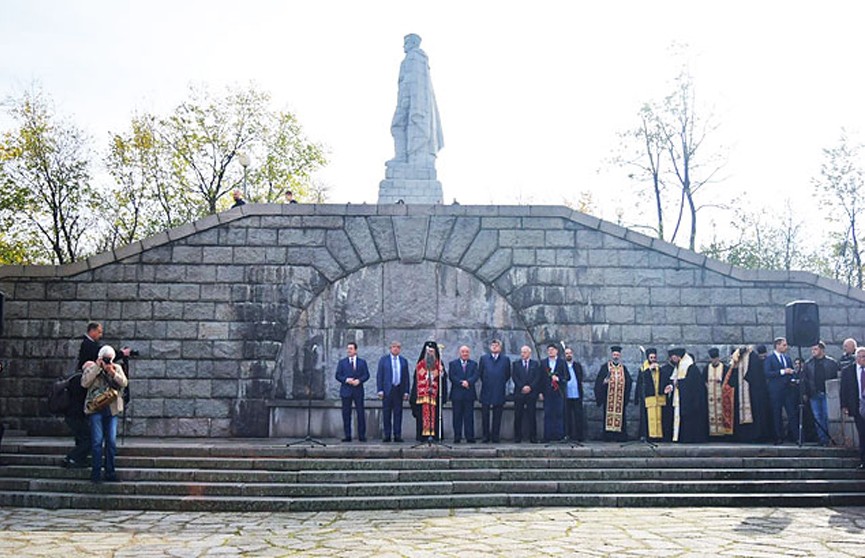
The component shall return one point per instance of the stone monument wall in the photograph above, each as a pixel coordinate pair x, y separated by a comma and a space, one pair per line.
243, 314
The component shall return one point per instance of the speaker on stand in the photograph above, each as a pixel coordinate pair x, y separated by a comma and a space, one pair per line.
802, 321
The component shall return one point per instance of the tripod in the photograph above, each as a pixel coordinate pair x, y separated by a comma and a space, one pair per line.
308, 439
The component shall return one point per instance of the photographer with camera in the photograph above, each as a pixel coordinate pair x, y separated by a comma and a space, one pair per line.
104, 381
74, 417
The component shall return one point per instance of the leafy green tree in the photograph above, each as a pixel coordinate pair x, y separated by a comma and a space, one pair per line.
841, 187
48, 204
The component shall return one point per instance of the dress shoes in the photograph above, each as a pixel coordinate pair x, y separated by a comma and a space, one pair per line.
346, 439
486, 440
111, 478
457, 440
361, 439
386, 439
518, 441
398, 440
470, 441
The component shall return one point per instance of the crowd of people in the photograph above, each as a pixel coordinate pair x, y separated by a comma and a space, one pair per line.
754, 395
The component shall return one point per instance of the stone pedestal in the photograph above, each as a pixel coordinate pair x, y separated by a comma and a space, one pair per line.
410, 183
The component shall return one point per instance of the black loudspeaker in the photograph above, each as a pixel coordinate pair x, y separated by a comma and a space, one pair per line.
803, 323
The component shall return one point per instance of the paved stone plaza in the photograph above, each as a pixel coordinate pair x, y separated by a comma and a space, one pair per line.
681, 532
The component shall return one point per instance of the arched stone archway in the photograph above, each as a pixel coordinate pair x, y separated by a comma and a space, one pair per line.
374, 305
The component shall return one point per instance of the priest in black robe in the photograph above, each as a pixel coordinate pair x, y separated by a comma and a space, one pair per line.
652, 401
751, 413
690, 412
612, 393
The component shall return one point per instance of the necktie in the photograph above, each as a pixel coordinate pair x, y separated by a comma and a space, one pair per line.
464, 367
395, 367
526, 365
353, 366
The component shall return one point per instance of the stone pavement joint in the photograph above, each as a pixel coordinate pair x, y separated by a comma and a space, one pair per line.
676, 532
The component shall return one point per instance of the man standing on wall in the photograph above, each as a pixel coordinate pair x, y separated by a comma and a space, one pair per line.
494, 372
392, 385
351, 373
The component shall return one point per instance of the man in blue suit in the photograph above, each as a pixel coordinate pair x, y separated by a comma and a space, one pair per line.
779, 374
351, 373
463, 373
494, 370
392, 384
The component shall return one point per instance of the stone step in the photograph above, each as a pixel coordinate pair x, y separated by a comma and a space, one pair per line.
607, 473
194, 503
404, 451
298, 464
336, 489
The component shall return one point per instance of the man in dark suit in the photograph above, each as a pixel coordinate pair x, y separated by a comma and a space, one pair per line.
392, 384
554, 378
779, 374
853, 397
494, 370
463, 373
526, 374
351, 373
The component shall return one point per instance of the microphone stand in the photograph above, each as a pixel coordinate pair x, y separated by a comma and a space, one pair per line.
308, 439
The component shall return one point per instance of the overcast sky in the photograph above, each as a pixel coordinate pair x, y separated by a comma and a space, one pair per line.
531, 94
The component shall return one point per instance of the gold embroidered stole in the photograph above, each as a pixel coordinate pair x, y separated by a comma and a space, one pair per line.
714, 378
615, 398
654, 405
745, 415
680, 373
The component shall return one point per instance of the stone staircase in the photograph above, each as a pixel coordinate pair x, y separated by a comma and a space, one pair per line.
263, 475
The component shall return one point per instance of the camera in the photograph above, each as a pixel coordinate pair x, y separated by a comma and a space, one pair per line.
106, 360
132, 352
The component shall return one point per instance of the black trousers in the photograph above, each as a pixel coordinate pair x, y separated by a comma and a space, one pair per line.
525, 407
491, 432
80, 427
574, 419
464, 419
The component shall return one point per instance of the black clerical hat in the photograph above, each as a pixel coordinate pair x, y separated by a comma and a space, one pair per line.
714, 352
679, 352
616, 349
651, 351
761, 349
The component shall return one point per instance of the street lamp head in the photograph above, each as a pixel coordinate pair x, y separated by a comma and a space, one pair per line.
243, 159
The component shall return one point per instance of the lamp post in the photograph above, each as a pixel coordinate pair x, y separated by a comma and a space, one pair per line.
243, 159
